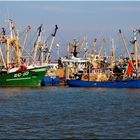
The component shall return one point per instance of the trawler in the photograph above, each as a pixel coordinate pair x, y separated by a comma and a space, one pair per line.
14, 70
110, 77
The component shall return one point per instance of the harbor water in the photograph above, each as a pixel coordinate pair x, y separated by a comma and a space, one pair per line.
75, 113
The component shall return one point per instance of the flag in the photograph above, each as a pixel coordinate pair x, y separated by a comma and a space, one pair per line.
130, 68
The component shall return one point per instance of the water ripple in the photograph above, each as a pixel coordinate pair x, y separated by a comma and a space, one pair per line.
70, 113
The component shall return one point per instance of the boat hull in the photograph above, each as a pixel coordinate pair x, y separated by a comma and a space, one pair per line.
107, 84
29, 77
50, 80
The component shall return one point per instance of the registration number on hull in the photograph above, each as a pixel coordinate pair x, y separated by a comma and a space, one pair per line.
21, 74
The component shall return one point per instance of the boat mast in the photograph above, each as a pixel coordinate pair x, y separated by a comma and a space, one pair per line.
53, 35
113, 52
68, 51
86, 50
75, 46
37, 41
13, 33
84, 43
94, 45
2, 40
124, 43
25, 39
136, 48
58, 50
3, 61
13, 42
102, 45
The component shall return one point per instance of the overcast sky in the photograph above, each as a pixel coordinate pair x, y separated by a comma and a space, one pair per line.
75, 19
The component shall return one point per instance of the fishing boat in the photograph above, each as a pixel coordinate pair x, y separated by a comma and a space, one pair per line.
102, 77
42, 56
105, 84
26, 77
105, 78
14, 70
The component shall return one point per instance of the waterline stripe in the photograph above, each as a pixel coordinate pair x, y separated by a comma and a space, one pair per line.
38, 70
18, 79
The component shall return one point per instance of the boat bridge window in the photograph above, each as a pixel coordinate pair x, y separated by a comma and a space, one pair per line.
80, 71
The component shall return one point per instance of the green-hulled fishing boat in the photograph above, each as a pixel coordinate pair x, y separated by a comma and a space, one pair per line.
29, 77
15, 71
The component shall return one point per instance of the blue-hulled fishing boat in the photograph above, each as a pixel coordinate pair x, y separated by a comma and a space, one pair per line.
105, 84
115, 80
119, 76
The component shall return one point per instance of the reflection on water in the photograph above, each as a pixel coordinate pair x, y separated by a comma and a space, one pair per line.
63, 112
